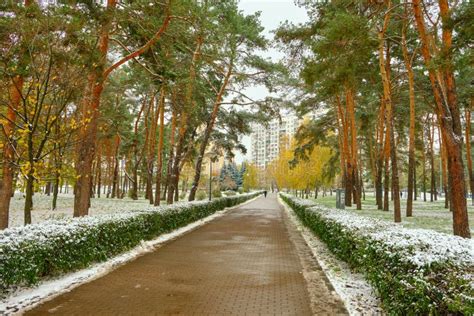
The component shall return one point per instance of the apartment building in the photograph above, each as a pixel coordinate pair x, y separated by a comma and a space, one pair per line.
267, 141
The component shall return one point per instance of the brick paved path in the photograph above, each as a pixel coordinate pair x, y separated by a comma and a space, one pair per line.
243, 263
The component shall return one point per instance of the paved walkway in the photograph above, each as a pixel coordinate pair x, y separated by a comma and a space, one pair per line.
243, 263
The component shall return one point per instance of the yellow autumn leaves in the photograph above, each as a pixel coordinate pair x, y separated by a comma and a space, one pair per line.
306, 174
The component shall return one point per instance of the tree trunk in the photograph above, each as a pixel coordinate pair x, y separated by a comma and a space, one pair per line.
444, 168
56, 189
90, 110
384, 65
343, 147
423, 159
442, 76
415, 186
159, 169
411, 142
468, 148
88, 132
115, 185
29, 186
171, 153
432, 166
184, 120
380, 157
151, 149
6, 186
348, 173
99, 172
208, 131
350, 104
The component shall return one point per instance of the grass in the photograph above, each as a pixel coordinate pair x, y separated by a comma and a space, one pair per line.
42, 207
426, 215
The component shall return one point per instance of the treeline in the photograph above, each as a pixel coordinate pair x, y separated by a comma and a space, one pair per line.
394, 80
121, 98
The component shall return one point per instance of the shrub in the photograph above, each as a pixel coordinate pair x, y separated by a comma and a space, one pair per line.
414, 271
201, 195
30, 253
216, 194
230, 193
241, 190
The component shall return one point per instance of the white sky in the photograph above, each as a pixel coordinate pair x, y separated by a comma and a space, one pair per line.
273, 12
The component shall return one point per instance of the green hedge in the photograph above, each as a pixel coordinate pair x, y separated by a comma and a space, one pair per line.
31, 253
415, 271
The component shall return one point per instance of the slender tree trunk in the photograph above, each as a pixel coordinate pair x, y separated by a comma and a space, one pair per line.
432, 164
30, 179
411, 142
159, 169
171, 153
415, 186
386, 195
115, 185
136, 159
57, 177
342, 144
468, 148
47, 188
151, 150
380, 156
423, 159
444, 168
348, 180
99, 172
176, 191
384, 65
29, 187
350, 103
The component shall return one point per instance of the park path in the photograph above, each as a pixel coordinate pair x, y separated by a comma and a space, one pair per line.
243, 263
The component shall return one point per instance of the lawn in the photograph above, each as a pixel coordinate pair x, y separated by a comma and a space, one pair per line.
427, 215
42, 207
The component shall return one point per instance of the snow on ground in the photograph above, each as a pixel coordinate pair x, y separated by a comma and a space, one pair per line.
426, 215
420, 246
358, 295
25, 299
42, 207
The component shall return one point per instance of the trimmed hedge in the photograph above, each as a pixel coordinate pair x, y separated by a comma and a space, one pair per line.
415, 271
30, 253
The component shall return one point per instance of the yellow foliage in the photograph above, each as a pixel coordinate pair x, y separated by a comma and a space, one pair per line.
250, 180
305, 174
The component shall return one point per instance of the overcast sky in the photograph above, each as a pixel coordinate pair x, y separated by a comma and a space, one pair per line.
273, 12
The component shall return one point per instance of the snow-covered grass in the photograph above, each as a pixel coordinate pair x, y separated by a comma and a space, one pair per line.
426, 215
415, 271
42, 207
30, 253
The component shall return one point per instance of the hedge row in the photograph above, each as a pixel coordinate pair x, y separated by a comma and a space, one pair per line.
415, 271
30, 253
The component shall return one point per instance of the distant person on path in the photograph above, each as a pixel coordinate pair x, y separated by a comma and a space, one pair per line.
265, 193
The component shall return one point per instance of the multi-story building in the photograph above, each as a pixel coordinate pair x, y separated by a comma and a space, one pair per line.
267, 141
